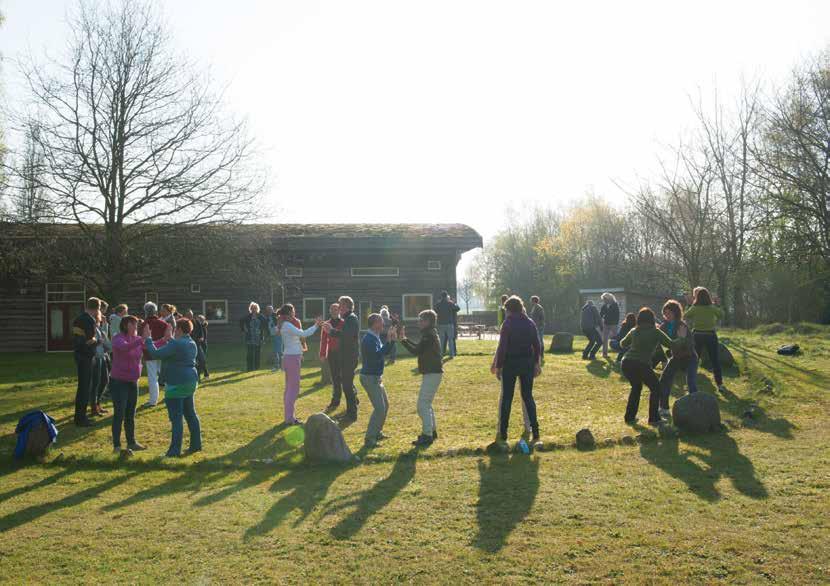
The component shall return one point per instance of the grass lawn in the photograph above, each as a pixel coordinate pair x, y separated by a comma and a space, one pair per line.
749, 505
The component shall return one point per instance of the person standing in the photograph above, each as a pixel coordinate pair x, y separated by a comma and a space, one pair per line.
292, 337
126, 370
501, 313
591, 323
115, 319
349, 351
330, 354
517, 356
537, 314
446, 309
83, 346
683, 354
428, 351
100, 367
178, 353
641, 342
276, 339
610, 314
388, 322
253, 328
704, 317
198, 336
157, 328
374, 353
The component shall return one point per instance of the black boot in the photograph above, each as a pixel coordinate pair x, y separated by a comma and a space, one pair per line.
422, 441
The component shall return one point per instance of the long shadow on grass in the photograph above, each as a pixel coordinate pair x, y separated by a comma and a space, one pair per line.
372, 500
702, 462
734, 405
506, 493
782, 366
304, 488
202, 474
23, 516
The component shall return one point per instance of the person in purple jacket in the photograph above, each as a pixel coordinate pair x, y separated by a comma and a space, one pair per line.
127, 348
518, 356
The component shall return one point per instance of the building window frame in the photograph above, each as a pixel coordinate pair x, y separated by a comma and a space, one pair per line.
151, 296
215, 320
307, 317
433, 265
195, 288
407, 317
294, 272
393, 272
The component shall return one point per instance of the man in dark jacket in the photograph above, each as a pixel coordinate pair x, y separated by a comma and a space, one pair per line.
537, 314
591, 323
254, 327
83, 346
446, 309
610, 314
349, 352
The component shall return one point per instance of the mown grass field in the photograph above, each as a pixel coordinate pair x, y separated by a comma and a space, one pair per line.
746, 506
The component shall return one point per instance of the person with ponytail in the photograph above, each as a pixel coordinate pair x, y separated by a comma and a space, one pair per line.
293, 340
704, 316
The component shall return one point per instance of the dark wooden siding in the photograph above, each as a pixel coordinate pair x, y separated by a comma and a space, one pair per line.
22, 317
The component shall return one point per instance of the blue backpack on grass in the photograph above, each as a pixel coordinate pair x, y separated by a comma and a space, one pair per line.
35, 431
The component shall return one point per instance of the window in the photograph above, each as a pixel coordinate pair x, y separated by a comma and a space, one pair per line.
313, 307
72, 292
151, 296
433, 265
215, 310
415, 303
293, 271
375, 271
195, 288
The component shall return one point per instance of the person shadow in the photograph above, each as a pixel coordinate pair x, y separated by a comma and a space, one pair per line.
370, 501
304, 488
702, 462
600, 368
507, 490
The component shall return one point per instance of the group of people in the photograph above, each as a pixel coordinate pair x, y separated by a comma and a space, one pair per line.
109, 354
173, 347
640, 341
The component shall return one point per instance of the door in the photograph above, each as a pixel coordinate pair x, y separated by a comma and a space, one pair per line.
64, 302
59, 318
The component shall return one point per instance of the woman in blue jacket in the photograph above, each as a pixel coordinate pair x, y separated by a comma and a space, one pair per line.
178, 358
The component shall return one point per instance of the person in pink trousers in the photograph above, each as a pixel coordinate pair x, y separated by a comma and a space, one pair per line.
293, 335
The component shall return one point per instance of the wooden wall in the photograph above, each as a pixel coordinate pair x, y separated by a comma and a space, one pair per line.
22, 316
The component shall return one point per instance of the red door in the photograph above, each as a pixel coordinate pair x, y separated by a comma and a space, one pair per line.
59, 318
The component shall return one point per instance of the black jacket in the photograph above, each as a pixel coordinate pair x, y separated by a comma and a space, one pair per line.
349, 338
83, 330
610, 313
446, 311
428, 351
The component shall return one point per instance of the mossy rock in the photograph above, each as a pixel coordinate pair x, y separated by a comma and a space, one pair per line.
562, 342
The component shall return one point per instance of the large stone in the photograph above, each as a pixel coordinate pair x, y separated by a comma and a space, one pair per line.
585, 439
562, 342
324, 440
696, 413
726, 358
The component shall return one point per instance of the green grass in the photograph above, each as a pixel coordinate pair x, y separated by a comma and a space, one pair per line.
746, 506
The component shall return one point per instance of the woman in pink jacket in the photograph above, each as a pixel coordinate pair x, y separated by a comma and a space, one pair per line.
126, 370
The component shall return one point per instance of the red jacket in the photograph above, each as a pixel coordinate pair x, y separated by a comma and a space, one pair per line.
157, 328
328, 343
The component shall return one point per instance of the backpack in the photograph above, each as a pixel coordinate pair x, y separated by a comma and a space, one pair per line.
789, 350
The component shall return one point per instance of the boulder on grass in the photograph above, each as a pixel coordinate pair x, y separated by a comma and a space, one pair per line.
726, 358
697, 413
562, 342
324, 440
585, 439
38, 442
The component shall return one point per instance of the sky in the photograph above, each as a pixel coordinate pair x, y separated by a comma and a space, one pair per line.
448, 111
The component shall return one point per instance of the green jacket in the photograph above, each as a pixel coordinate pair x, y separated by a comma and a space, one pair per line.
428, 351
642, 341
704, 318
682, 347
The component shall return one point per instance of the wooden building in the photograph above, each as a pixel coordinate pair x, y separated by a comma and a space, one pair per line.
629, 301
404, 266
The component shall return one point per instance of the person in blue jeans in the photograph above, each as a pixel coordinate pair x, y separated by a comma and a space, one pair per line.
683, 355
446, 309
178, 358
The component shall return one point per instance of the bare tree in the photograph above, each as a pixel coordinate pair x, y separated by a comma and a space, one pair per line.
729, 138
28, 198
466, 291
680, 208
134, 141
796, 158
